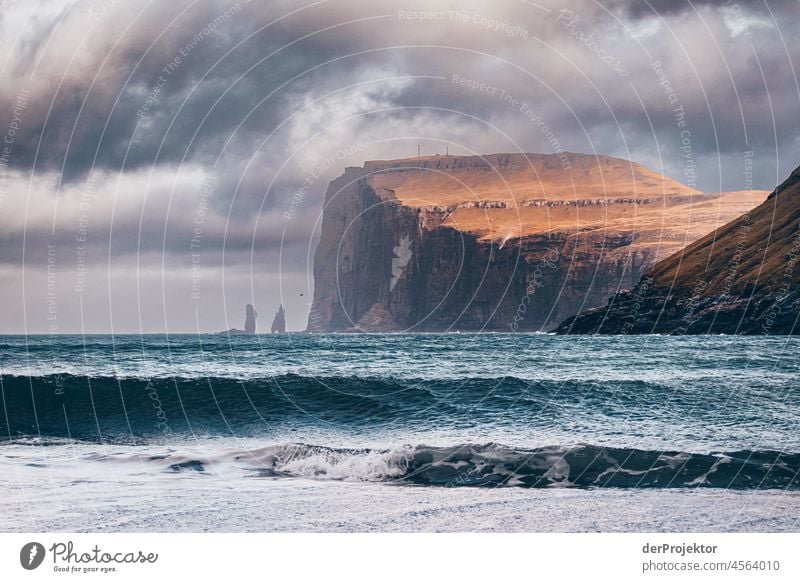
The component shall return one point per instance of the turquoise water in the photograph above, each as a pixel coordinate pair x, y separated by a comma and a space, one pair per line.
490, 410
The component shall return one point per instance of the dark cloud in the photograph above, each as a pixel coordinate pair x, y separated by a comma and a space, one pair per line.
648, 8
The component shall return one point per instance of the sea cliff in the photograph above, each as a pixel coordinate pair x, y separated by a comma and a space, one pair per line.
496, 243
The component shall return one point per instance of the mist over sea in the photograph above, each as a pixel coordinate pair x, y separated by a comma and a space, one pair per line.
369, 432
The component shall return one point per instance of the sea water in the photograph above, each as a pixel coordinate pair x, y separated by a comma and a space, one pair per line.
416, 432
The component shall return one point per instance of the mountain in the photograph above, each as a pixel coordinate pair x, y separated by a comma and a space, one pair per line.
741, 279
497, 242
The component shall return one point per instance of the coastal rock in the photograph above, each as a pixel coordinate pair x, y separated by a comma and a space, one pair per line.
250, 319
500, 242
250, 315
279, 321
377, 320
741, 279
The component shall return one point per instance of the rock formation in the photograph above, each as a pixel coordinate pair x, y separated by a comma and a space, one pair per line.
499, 242
250, 315
279, 322
250, 319
741, 279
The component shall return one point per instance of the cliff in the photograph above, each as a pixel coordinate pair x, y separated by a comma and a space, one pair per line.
498, 242
741, 279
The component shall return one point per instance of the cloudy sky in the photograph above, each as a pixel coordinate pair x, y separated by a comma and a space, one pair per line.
164, 163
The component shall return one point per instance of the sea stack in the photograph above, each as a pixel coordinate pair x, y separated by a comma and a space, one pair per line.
279, 322
742, 279
503, 242
250, 319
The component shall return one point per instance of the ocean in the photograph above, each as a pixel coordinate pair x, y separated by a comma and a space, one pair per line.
393, 432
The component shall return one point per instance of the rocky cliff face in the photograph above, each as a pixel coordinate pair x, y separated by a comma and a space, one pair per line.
742, 279
502, 242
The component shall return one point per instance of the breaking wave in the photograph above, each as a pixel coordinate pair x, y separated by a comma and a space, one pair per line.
488, 465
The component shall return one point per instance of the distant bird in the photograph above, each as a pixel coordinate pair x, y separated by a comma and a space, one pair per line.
301, 294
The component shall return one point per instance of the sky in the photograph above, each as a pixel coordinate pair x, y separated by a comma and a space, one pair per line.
162, 164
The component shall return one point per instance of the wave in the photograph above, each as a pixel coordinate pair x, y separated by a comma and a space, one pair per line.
104, 407
486, 465
113, 408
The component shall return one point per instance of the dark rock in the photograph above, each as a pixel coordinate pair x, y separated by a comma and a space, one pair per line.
250, 319
250, 315
279, 322
742, 279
